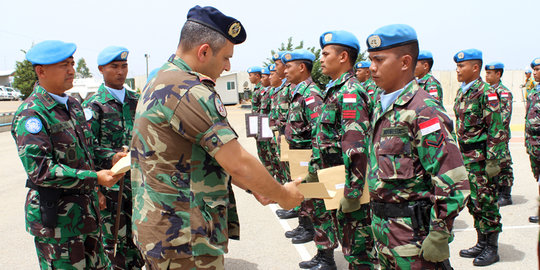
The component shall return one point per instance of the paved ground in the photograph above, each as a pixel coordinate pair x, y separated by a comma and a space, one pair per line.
262, 245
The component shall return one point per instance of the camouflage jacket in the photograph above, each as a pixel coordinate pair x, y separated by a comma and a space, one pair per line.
415, 157
532, 124
57, 151
181, 193
432, 86
111, 121
342, 131
480, 129
373, 90
280, 106
266, 101
256, 98
298, 129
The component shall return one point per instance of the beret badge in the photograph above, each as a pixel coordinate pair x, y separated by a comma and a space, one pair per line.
374, 41
328, 37
288, 56
235, 29
124, 55
460, 55
537, 61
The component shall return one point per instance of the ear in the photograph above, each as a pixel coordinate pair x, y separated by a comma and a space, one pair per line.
100, 69
204, 52
303, 67
343, 57
406, 62
40, 71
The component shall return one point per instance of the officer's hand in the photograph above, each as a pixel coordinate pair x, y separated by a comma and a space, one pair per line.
107, 178
492, 167
102, 200
349, 205
435, 247
263, 200
293, 197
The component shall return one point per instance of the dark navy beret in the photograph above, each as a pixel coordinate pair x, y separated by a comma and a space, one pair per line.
391, 36
278, 55
299, 54
265, 70
535, 62
50, 52
211, 17
362, 64
112, 53
254, 69
466, 55
494, 65
272, 67
425, 55
342, 38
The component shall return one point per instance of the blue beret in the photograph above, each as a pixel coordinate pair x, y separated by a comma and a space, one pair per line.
210, 17
152, 74
112, 53
278, 55
466, 55
425, 55
528, 71
342, 38
254, 69
362, 64
272, 67
265, 71
494, 65
300, 54
535, 62
390, 36
50, 52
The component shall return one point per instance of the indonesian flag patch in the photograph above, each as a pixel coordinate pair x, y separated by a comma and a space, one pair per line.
349, 98
370, 91
314, 115
310, 100
492, 97
433, 92
430, 126
504, 95
349, 114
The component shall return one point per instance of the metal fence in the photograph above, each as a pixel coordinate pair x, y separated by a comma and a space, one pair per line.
6, 118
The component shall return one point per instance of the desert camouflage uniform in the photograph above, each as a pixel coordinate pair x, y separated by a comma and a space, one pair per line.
532, 131
183, 208
481, 136
111, 123
57, 151
506, 176
432, 86
342, 138
414, 165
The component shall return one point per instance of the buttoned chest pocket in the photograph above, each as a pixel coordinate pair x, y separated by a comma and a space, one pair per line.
64, 140
394, 154
472, 113
215, 213
328, 116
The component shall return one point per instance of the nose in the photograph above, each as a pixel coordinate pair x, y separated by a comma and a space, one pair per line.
227, 66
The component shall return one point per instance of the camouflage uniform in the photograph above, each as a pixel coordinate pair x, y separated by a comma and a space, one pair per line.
183, 206
414, 161
530, 86
57, 151
481, 136
372, 89
341, 135
111, 123
270, 155
506, 176
432, 86
532, 131
278, 117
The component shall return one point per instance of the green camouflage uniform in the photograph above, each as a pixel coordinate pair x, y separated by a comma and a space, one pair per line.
481, 136
431, 85
111, 123
57, 151
270, 155
372, 89
183, 203
278, 117
414, 161
342, 139
506, 176
532, 131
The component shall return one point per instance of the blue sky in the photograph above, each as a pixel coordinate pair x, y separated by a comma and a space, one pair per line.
503, 30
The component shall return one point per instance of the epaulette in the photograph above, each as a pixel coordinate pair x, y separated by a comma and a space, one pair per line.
203, 78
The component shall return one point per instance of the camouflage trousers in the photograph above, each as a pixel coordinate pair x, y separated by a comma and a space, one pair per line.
268, 153
483, 204
77, 252
127, 254
535, 166
506, 176
398, 245
356, 238
191, 263
323, 222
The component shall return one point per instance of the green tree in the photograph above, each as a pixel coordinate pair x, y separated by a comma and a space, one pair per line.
82, 70
25, 77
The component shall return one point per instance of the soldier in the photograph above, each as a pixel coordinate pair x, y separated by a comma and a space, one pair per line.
532, 127
481, 136
419, 184
185, 154
363, 74
529, 84
494, 72
57, 151
255, 78
110, 113
425, 79
341, 136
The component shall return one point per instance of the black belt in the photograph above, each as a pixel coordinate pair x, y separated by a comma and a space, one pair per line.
418, 211
64, 191
331, 160
465, 147
534, 132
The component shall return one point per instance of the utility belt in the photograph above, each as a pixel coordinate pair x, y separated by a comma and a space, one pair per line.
48, 201
331, 160
466, 147
112, 201
419, 212
534, 132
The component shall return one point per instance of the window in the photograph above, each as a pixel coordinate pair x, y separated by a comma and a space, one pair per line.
230, 86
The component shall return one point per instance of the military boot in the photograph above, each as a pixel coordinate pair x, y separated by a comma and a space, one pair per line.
286, 214
306, 235
533, 219
314, 261
490, 254
504, 196
298, 230
326, 261
477, 249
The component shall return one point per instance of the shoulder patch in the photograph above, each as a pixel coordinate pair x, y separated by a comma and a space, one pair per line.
349, 98
33, 125
429, 126
220, 107
88, 113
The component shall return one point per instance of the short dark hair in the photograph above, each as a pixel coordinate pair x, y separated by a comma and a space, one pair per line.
478, 62
428, 61
412, 50
309, 65
351, 52
194, 34
499, 70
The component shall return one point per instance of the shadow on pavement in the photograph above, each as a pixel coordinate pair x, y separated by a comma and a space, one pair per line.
518, 199
240, 264
509, 254
460, 224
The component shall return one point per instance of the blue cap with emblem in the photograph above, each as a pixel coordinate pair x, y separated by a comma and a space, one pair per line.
299, 54
272, 67
494, 65
391, 36
425, 55
254, 69
362, 64
211, 17
535, 62
466, 55
112, 53
277, 56
342, 38
265, 71
50, 52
